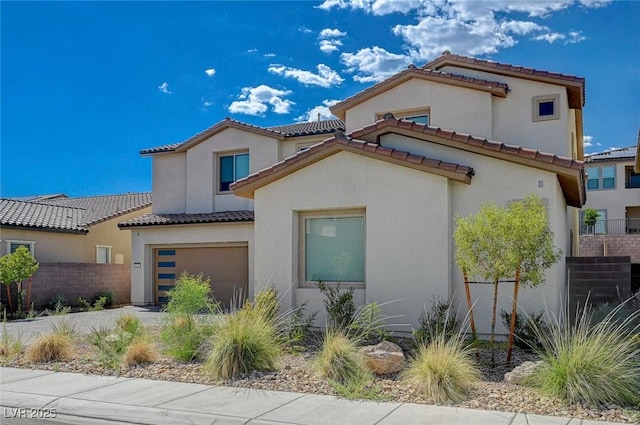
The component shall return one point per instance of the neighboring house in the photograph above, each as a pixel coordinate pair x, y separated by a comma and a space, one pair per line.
373, 206
613, 188
71, 230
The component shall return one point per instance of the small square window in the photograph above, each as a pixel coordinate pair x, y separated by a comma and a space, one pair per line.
103, 254
546, 107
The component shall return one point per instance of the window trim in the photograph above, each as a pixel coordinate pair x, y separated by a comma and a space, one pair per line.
219, 156
31, 244
340, 213
537, 100
600, 178
628, 174
109, 250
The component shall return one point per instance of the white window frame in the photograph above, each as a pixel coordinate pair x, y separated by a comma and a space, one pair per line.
600, 177
537, 100
30, 244
302, 218
219, 156
109, 251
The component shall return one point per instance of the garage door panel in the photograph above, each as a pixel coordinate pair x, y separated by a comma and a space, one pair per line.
226, 267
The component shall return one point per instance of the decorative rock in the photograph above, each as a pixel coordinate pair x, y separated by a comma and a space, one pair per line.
520, 373
384, 358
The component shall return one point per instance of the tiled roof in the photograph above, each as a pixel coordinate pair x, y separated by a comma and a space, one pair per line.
278, 132
512, 70
309, 128
169, 219
628, 153
494, 87
33, 215
570, 172
340, 142
70, 214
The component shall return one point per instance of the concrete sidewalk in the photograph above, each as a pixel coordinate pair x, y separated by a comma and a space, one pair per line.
88, 399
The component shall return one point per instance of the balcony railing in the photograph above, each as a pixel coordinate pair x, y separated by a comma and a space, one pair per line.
621, 226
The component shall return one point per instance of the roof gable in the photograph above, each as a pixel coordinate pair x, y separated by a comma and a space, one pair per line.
278, 132
575, 85
569, 171
494, 87
340, 143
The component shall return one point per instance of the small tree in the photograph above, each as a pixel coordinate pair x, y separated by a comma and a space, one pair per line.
16, 267
590, 217
500, 242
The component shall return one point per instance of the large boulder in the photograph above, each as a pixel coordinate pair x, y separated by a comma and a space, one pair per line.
520, 373
384, 358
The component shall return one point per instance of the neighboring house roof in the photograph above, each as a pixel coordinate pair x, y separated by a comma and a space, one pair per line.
33, 215
575, 85
623, 154
74, 215
278, 132
570, 172
341, 143
494, 87
38, 197
172, 219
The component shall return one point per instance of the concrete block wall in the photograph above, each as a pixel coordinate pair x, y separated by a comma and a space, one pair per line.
75, 280
616, 245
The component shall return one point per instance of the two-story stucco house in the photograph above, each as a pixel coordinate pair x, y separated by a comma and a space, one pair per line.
371, 205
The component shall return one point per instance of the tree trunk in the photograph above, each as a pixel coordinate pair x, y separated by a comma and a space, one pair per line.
29, 293
493, 323
470, 306
514, 309
9, 299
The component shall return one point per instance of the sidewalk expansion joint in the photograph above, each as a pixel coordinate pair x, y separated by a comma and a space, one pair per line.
276, 408
387, 415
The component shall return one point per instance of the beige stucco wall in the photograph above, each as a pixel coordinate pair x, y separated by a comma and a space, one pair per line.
144, 240
512, 116
188, 182
55, 247
409, 214
457, 108
407, 247
615, 201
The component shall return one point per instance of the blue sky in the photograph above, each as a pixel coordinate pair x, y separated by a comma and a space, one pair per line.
86, 85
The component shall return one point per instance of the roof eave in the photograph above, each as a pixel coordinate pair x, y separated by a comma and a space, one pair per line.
44, 229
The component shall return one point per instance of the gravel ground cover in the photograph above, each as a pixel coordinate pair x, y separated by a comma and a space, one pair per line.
295, 374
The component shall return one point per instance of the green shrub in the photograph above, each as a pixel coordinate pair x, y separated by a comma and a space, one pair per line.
525, 333
266, 301
438, 321
183, 335
242, 342
107, 295
444, 370
111, 345
293, 326
130, 324
341, 362
339, 305
10, 345
64, 327
590, 363
191, 294
57, 305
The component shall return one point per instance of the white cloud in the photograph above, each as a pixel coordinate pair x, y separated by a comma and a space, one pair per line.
373, 64
320, 110
304, 30
252, 51
331, 33
469, 27
326, 77
164, 88
328, 46
269, 55
210, 72
255, 101
587, 141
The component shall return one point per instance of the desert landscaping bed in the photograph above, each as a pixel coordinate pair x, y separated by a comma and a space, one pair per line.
295, 374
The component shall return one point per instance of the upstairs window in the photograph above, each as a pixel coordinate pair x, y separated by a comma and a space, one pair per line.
546, 107
632, 178
232, 167
420, 119
420, 115
601, 177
